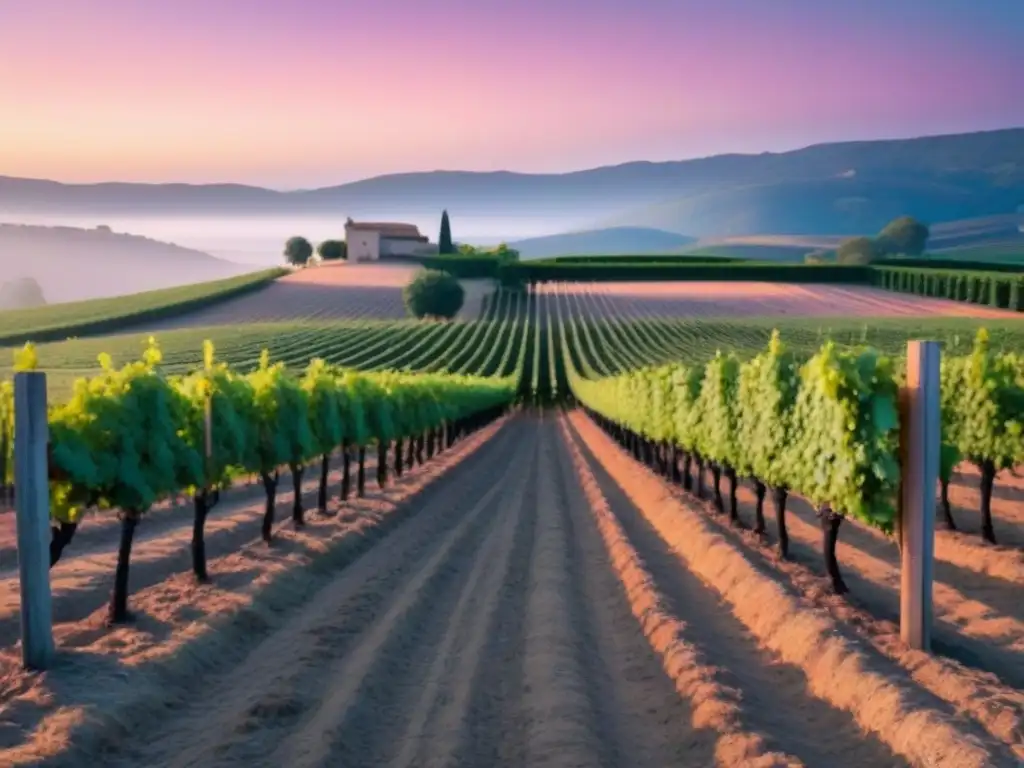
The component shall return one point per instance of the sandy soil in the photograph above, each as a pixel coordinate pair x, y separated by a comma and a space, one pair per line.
742, 299
550, 626
107, 682
978, 629
326, 292
888, 697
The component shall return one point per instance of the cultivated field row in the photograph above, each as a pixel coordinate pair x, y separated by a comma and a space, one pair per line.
510, 320
595, 616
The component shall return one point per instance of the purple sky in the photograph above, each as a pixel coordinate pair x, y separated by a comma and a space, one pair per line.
311, 92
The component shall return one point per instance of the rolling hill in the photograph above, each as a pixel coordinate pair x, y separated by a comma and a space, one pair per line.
613, 240
989, 238
834, 206
73, 264
823, 189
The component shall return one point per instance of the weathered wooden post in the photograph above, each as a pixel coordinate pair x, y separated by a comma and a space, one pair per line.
31, 479
920, 457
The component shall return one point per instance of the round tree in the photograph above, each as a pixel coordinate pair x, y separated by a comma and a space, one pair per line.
433, 294
857, 250
21, 293
905, 235
332, 250
297, 251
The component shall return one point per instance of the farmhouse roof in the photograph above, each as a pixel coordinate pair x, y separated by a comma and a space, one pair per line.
385, 228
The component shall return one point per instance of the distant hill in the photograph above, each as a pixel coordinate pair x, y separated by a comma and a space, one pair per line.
71, 264
613, 240
823, 189
832, 206
989, 238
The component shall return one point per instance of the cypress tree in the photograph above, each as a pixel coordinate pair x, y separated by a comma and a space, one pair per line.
444, 240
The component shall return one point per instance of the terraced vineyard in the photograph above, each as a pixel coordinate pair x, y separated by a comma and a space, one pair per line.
550, 590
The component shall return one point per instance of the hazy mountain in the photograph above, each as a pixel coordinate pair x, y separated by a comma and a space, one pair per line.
70, 264
839, 205
826, 188
613, 240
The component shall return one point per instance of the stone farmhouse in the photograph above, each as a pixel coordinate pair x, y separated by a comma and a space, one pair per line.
371, 240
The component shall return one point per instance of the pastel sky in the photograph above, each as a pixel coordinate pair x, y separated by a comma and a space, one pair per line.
299, 93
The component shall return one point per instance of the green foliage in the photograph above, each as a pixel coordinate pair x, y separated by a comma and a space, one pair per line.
905, 235
819, 257
845, 435
857, 251
332, 250
433, 294
829, 432
444, 239
988, 421
229, 399
298, 251
767, 392
718, 411
117, 444
131, 436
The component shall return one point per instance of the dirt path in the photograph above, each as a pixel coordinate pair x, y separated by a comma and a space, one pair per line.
479, 633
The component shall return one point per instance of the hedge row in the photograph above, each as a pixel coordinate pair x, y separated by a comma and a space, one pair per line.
731, 271
994, 289
642, 258
955, 264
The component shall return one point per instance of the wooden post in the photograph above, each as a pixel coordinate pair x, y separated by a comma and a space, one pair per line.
920, 453
31, 479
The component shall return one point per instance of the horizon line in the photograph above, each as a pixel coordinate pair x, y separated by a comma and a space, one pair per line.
421, 172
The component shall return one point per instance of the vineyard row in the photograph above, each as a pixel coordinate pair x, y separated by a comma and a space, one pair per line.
133, 436
826, 429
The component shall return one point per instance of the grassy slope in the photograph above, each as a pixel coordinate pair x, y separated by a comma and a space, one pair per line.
74, 264
60, 321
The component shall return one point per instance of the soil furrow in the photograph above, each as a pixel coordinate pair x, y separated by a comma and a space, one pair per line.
560, 714
774, 696
443, 726
362, 698
81, 582
979, 621
344, 637
632, 694
840, 670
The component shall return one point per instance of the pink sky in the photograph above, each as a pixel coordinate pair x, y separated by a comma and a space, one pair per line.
315, 92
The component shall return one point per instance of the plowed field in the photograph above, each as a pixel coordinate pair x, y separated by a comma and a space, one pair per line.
532, 597
745, 300
325, 292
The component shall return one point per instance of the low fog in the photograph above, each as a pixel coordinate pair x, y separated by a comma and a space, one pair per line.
76, 257
258, 240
